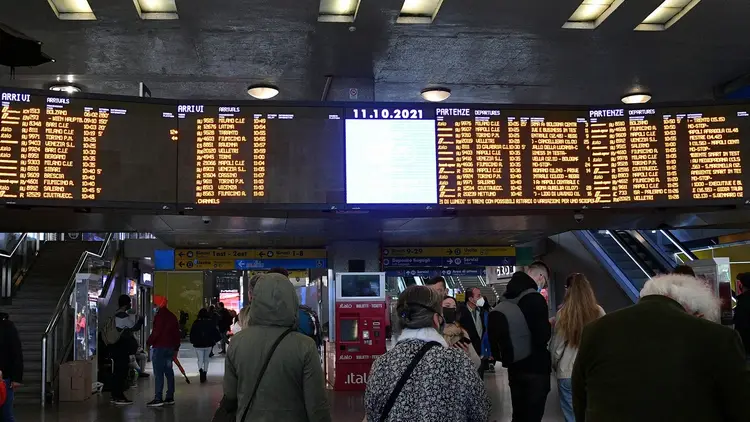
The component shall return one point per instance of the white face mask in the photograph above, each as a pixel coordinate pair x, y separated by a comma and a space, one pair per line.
480, 302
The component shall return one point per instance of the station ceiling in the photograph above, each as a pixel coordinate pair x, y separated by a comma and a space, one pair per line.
499, 51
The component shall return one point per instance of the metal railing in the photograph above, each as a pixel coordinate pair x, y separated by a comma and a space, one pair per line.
52, 357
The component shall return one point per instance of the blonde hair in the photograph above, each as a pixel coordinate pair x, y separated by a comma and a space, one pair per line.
579, 308
243, 316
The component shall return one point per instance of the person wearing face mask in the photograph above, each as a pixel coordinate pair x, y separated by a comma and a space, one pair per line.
454, 334
421, 378
519, 331
471, 318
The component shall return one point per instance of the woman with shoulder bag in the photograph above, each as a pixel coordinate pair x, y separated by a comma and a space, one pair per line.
422, 378
272, 372
579, 309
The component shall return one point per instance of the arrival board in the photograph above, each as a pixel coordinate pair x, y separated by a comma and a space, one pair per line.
59, 150
234, 156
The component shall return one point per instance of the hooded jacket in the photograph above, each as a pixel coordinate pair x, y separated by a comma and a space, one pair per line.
534, 309
292, 388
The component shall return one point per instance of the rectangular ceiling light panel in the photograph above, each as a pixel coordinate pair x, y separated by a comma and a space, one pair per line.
338, 10
156, 9
75, 10
666, 15
419, 11
591, 13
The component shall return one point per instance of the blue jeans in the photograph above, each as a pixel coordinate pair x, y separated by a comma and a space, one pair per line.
7, 410
565, 391
162, 362
203, 360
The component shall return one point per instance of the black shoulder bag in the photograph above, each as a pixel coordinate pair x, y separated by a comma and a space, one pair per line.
227, 417
404, 378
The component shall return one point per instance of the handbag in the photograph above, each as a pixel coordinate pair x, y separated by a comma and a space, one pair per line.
225, 412
405, 377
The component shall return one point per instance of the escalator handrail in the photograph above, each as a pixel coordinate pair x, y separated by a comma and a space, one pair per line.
676, 242
656, 252
18, 243
598, 251
61, 304
630, 253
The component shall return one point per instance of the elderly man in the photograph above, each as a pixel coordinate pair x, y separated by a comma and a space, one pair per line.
662, 359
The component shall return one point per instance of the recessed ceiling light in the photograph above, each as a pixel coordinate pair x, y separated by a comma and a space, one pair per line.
338, 10
72, 9
66, 88
666, 15
419, 11
436, 94
156, 9
636, 98
591, 13
262, 92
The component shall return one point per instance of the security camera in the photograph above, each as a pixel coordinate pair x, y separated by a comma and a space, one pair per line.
578, 216
206, 220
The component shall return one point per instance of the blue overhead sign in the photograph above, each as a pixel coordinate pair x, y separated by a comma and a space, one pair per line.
456, 261
289, 264
457, 272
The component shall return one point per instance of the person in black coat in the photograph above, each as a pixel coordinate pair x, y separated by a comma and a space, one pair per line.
11, 363
529, 378
203, 335
225, 323
742, 311
471, 319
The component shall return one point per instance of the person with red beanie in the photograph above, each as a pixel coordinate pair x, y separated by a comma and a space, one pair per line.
165, 343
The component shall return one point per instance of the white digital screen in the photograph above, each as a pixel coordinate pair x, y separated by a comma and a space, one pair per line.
391, 162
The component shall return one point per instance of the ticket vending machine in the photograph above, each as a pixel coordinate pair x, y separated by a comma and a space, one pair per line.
361, 316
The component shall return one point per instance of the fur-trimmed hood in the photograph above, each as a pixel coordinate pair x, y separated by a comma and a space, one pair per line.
692, 293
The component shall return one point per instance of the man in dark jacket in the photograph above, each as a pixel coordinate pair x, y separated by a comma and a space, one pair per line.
225, 323
742, 311
529, 378
656, 361
11, 363
121, 351
165, 343
471, 318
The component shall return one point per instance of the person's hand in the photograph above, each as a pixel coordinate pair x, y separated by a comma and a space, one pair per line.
461, 345
14, 385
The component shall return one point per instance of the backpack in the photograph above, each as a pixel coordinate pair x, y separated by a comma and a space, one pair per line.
109, 332
309, 324
518, 329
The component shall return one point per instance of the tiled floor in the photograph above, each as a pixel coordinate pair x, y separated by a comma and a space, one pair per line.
196, 402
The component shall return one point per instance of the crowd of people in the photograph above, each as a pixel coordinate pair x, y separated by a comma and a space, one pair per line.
666, 358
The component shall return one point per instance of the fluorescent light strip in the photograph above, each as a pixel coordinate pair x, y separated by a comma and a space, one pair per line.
591, 13
72, 10
419, 11
666, 15
343, 11
156, 9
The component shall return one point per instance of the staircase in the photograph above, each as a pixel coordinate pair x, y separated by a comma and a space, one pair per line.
466, 282
34, 303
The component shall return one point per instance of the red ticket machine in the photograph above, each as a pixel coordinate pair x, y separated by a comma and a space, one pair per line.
361, 318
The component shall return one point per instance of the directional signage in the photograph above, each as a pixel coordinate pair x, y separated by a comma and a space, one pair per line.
447, 257
245, 259
457, 272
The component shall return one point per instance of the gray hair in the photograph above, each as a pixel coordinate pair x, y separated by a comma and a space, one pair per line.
417, 305
690, 292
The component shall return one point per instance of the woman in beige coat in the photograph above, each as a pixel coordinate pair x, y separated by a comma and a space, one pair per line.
453, 333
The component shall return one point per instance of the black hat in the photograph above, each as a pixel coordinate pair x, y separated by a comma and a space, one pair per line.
744, 279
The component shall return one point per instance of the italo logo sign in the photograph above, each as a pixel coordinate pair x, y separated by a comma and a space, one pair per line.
357, 379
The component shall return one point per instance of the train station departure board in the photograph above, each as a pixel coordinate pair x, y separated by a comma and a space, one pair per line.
59, 150
485, 156
239, 155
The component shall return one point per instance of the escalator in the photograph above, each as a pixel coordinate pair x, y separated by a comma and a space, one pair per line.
630, 256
